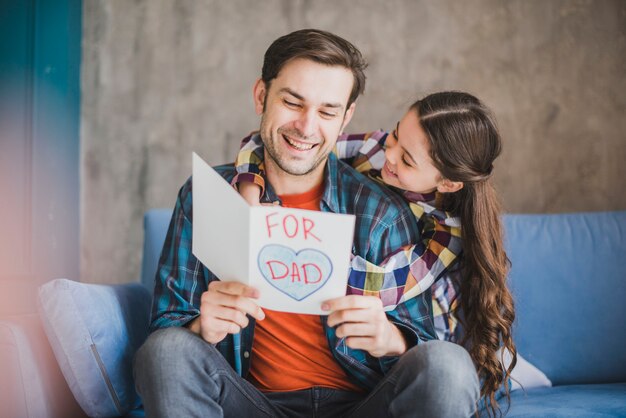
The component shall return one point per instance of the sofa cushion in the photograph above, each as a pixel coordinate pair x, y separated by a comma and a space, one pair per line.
568, 278
583, 401
525, 375
94, 331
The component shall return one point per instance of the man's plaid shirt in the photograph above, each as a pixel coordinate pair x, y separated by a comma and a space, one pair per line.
384, 223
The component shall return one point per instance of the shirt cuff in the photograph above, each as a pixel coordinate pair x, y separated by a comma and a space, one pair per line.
250, 178
411, 338
172, 321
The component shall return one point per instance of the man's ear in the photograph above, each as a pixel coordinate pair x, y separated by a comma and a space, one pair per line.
259, 92
348, 116
449, 186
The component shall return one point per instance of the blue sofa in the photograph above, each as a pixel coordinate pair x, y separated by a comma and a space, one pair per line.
568, 278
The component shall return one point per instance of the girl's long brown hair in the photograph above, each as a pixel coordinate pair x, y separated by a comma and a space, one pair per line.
464, 142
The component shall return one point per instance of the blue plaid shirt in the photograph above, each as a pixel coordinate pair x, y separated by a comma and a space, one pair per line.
384, 223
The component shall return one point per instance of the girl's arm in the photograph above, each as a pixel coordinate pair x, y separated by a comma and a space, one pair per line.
403, 275
249, 165
362, 151
412, 270
445, 298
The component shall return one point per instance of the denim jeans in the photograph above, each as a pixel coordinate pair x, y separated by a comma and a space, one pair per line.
180, 375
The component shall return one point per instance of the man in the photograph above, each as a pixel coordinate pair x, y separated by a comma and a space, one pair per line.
215, 352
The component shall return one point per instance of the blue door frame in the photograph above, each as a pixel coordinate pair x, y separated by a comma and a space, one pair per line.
40, 45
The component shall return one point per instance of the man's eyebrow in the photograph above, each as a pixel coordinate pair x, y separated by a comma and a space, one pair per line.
403, 149
299, 97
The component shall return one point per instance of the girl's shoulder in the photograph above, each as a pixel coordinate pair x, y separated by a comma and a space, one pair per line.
421, 208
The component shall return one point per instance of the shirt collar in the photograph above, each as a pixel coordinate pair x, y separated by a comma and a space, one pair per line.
331, 182
330, 198
429, 198
429, 201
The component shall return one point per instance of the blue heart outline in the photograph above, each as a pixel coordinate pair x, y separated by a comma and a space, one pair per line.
296, 253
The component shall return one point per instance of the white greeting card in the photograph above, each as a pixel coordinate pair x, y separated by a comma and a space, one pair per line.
296, 258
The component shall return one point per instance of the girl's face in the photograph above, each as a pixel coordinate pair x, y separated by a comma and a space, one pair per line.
408, 164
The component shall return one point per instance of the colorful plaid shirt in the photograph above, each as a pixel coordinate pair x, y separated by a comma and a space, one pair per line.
383, 223
411, 270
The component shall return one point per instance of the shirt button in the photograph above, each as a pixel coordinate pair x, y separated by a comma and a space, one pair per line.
246, 354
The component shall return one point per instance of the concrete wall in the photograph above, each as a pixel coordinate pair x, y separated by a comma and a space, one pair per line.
162, 78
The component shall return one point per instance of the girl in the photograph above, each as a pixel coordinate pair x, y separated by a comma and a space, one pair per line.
440, 158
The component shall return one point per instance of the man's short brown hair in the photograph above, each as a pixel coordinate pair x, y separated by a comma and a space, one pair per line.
318, 46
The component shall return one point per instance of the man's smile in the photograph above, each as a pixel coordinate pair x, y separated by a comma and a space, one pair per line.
298, 145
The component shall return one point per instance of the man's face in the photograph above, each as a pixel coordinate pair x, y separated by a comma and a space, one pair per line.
303, 113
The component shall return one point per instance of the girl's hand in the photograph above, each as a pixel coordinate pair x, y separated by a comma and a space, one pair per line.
251, 192
362, 321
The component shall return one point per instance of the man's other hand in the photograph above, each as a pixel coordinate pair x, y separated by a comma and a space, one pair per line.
223, 310
361, 320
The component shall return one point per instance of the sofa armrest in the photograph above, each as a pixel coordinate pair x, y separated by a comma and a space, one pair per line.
31, 381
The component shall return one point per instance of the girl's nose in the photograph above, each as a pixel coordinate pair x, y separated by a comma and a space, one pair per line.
390, 155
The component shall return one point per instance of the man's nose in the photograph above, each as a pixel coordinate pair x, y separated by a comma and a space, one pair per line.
307, 124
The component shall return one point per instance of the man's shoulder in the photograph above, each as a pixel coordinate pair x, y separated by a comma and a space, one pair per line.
226, 170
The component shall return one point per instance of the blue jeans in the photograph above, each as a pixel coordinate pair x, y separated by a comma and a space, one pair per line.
178, 374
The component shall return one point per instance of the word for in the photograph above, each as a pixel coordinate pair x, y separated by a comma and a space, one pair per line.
290, 226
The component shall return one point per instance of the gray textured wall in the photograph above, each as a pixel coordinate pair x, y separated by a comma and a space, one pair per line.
163, 78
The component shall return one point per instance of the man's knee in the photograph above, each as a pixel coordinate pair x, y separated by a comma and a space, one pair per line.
174, 364
443, 361
170, 351
162, 344
440, 378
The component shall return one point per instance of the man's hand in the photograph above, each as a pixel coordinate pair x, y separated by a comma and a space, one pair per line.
223, 310
362, 321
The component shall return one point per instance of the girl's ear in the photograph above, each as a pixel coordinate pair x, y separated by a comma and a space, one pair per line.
449, 186
259, 93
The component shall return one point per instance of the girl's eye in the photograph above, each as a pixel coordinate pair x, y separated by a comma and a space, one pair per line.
405, 161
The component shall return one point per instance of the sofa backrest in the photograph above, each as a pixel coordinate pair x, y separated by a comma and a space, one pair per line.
568, 278
155, 224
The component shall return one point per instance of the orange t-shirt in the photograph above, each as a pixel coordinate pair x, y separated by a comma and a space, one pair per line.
290, 351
